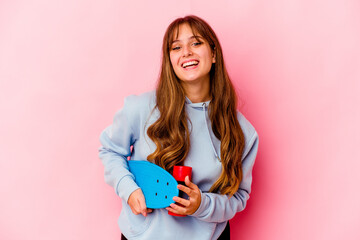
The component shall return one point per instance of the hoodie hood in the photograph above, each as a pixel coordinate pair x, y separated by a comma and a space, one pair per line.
198, 106
203, 106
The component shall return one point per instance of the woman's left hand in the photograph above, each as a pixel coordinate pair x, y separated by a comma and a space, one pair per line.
188, 206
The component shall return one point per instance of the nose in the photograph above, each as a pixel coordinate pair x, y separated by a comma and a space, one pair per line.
186, 51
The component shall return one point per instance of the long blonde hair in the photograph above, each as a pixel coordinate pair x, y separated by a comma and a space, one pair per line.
170, 131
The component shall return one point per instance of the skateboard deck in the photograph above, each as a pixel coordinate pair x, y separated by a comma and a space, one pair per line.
158, 186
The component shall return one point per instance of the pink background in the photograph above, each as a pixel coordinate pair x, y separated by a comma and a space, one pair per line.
65, 67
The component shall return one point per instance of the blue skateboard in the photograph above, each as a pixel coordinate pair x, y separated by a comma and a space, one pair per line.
157, 185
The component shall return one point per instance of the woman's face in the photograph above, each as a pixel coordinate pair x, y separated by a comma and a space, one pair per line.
191, 59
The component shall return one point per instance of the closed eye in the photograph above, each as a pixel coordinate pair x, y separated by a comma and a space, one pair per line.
197, 43
194, 44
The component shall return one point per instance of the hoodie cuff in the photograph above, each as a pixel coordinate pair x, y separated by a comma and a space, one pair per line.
125, 187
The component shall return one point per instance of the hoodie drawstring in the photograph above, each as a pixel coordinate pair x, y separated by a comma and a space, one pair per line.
212, 144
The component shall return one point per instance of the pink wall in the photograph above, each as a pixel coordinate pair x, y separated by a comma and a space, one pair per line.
65, 67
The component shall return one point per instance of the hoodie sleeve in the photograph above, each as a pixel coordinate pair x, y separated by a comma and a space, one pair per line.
219, 208
116, 141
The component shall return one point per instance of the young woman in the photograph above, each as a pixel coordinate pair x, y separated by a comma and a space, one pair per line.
191, 119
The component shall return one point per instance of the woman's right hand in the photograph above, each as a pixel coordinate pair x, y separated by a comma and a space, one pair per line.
137, 203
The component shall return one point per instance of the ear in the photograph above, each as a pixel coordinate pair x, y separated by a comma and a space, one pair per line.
213, 56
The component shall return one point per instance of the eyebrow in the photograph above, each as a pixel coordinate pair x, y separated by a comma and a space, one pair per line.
192, 37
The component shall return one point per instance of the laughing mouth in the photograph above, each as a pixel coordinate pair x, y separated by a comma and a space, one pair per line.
190, 64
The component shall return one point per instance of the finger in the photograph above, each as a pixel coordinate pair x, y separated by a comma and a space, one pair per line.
184, 189
134, 211
182, 201
149, 210
189, 183
176, 209
136, 207
190, 192
142, 206
172, 210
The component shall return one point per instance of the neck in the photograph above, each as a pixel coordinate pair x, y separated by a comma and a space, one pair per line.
197, 92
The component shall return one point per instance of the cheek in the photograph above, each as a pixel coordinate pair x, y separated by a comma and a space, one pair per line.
207, 59
173, 60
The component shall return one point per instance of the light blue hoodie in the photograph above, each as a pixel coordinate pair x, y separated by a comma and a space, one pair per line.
129, 128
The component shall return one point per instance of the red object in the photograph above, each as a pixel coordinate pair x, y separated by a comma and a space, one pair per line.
179, 173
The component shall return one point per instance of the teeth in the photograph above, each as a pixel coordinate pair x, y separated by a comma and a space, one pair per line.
189, 63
